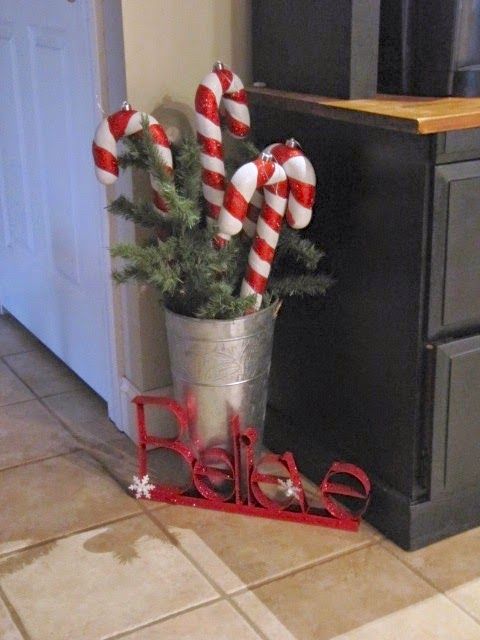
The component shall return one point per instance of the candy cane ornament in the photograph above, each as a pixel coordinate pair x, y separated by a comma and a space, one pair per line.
301, 183
262, 251
220, 87
262, 172
128, 122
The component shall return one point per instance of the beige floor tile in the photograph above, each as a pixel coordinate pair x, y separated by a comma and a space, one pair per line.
435, 618
8, 630
452, 565
81, 405
29, 432
336, 597
96, 431
43, 372
241, 550
101, 582
119, 458
14, 338
467, 596
55, 497
11, 388
217, 621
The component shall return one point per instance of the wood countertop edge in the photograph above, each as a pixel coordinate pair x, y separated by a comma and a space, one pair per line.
336, 109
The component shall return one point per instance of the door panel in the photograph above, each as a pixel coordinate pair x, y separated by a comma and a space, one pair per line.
455, 290
456, 427
52, 252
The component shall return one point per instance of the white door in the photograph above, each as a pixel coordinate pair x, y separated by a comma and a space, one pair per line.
52, 264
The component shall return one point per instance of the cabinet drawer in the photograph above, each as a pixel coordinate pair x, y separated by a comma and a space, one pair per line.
455, 275
458, 145
456, 417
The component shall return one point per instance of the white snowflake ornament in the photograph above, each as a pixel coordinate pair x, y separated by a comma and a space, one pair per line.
142, 488
289, 489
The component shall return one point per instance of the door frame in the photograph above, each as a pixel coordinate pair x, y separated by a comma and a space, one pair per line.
109, 79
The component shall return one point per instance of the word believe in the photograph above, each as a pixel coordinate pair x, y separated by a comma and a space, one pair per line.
235, 482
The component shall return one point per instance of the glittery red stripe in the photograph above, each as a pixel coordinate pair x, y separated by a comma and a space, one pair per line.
237, 128
206, 104
104, 159
213, 211
213, 179
272, 218
279, 188
255, 280
158, 134
263, 249
118, 122
158, 201
219, 242
283, 153
303, 192
265, 170
210, 147
225, 76
238, 96
235, 203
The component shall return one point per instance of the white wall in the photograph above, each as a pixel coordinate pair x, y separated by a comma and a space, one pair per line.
170, 45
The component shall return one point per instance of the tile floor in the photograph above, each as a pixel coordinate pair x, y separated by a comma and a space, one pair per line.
81, 560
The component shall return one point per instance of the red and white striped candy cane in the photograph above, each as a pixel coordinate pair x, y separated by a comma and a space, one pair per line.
301, 181
262, 172
221, 85
301, 184
127, 122
254, 208
269, 224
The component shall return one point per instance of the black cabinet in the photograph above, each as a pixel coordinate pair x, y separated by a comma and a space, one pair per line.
385, 370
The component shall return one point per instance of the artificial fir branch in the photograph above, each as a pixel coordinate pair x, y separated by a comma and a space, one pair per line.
142, 213
188, 171
248, 151
291, 246
306, 284
223, 304
150, 264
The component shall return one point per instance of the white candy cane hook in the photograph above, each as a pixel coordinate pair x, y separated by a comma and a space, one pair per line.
301, 184
219, 86
127, 122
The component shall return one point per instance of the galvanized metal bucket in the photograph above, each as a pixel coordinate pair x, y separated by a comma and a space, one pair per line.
220, 368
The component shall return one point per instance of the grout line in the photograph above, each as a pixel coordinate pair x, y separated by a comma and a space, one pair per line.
168, 616
104, 523
248, 620
14, 615
83, 443
27, 463
304, 567
18, 353
415, 571
229, 597
184, 552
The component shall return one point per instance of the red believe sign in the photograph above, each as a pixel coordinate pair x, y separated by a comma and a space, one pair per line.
236, 483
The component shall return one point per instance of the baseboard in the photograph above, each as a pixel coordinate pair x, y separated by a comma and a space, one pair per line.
413, 525
159, 423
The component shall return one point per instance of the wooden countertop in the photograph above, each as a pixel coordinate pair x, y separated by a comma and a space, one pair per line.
403, 113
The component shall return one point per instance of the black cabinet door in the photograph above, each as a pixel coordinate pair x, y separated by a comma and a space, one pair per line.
455, 274
456, 418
